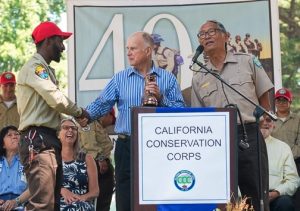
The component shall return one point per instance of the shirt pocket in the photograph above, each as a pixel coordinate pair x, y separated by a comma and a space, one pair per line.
209, 93
243, 82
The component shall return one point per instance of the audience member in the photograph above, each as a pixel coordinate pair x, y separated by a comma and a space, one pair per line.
246, 74
40, 103
97, 142
283, 176
13, 186
287, 127
80, 184
8, 104
165, 89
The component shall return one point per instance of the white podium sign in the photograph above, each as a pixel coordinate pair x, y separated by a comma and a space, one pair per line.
184, 158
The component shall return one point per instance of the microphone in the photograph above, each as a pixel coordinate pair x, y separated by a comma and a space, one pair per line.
199, 51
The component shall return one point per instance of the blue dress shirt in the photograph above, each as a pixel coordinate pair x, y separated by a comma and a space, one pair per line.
12, 178
126, 88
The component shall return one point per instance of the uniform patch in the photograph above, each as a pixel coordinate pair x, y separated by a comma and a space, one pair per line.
41, 72
257, 62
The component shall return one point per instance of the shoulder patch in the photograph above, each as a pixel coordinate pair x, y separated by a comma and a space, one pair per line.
257, 62
41, 72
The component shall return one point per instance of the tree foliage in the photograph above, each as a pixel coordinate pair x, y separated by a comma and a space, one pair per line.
289, 15
17, 20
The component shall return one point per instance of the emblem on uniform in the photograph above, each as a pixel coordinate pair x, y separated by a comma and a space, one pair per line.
8, 76
257, 62
41, 72
282, 91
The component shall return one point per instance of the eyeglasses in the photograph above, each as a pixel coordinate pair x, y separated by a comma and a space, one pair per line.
68, 127
268, 120
210, 32
281, 100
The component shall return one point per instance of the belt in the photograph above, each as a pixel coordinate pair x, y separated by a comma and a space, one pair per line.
123, 137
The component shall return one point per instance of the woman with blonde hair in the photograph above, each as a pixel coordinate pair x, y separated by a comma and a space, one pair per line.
80, 184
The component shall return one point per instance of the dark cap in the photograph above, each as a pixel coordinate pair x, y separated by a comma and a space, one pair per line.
285, 93
156, 38
48, 29
7, 77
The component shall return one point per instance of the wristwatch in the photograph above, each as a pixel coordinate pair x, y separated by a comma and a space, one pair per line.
18, 202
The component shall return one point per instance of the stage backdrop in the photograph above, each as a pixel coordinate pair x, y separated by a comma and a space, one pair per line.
97, 50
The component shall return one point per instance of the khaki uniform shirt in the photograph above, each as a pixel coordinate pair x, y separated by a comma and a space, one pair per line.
244, 73
40, 102
288, 131
96, 141
8, 116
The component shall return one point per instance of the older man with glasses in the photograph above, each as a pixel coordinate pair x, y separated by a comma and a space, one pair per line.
287, 127
246, 74
283, 176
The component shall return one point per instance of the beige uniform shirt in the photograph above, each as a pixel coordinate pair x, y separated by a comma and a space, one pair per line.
244, 73
40, 102
96, 141
8, 116
288, 131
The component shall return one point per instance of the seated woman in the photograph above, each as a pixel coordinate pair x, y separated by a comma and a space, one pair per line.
13, 185
80, 185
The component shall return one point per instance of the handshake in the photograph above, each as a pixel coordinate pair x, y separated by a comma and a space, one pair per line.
84, 119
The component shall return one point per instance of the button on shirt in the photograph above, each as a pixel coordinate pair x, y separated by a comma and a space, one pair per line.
126, 89
12, 178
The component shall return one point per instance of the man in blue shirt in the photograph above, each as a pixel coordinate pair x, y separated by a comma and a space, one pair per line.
127, 89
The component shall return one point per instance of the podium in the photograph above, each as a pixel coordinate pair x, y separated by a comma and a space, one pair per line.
183, 158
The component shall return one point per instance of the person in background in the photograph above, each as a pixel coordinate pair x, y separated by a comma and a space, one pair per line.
246, 74
40, 105
283, 177
13, 185
80, 184
126, 89
8, 104
97, 142
165, 57
287, 127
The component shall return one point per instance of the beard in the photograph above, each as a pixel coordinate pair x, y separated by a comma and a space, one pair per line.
56, 53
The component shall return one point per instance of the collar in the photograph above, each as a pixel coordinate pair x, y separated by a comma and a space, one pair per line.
40, 58
153, 69
230, 58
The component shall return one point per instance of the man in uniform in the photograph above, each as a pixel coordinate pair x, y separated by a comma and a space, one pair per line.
95, 140
287, 127
246, 74
40, 103
165, 89
8, 103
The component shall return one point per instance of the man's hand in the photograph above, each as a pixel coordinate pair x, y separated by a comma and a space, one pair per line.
152, 88
273, 195
83, 119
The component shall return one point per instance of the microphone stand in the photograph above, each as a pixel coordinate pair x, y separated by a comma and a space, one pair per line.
257, 113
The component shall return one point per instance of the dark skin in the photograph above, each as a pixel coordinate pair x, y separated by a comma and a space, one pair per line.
51, 48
